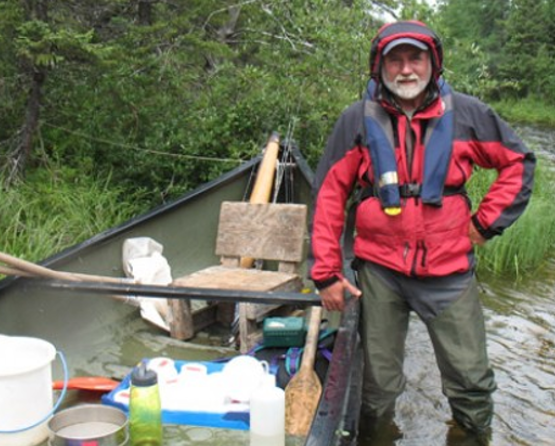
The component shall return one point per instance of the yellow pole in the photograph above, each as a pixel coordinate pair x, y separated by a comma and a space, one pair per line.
262, 189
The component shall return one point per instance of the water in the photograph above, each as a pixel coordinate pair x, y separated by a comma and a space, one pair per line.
90, 429
520, 324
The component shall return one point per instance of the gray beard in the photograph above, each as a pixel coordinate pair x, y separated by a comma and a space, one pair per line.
406, 93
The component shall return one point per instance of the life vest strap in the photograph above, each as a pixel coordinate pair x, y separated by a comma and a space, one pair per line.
410, 190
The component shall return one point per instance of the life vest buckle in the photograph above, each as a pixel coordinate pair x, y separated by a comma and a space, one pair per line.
410, 190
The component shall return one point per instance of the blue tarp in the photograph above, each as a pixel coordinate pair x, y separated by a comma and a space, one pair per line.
229, 420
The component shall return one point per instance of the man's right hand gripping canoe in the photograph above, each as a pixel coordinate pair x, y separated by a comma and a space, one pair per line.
333, 296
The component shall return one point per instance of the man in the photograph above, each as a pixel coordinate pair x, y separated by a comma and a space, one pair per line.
408, 149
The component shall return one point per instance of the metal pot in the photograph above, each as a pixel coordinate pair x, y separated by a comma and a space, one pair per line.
81, 425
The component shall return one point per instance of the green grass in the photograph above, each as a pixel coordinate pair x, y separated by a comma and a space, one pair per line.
52, 211
526, 111
526, 245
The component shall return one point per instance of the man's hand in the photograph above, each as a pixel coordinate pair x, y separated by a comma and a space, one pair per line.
333, 295
475, 236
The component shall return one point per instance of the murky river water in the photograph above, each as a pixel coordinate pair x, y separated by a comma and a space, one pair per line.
521, 341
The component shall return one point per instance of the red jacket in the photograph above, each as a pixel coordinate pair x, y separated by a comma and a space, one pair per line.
423, 240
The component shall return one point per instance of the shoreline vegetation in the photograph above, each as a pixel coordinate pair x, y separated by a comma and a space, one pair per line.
56, 208
111, 108
529, 111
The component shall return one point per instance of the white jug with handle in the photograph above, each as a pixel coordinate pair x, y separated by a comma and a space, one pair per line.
242, 375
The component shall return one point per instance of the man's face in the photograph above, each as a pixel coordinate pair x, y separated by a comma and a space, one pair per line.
406, 72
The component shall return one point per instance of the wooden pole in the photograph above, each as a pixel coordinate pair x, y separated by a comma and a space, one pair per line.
262, 190
20, 267
261, 193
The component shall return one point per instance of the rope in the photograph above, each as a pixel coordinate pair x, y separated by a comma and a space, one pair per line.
140, 149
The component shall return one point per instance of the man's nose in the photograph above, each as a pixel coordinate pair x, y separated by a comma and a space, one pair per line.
406, 66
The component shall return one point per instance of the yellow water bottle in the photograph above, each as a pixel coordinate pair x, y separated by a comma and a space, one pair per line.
145, 412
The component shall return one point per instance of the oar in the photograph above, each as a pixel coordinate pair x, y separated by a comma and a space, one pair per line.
303, 391
9, 271
92, 383
20, 267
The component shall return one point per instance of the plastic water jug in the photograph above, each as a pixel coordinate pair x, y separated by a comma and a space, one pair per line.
267, 414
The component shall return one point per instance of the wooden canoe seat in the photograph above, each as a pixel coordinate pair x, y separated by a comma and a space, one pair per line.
271, 232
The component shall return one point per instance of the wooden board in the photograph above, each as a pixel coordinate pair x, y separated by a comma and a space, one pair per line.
225, 278
262, 231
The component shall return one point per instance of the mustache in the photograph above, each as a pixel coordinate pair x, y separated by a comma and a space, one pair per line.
410, 77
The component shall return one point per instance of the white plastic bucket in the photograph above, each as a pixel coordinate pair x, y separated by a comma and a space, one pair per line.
25, 390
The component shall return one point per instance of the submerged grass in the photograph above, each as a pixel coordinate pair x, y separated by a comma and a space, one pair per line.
526, 245
50, 212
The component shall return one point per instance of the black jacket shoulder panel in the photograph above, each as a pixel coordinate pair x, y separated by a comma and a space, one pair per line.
347, 133
475, 120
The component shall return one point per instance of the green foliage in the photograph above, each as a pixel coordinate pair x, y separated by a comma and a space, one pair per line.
528, 45
472, 36
169, 101
56, 209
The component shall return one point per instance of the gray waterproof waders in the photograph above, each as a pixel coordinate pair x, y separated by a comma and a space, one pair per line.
450, 308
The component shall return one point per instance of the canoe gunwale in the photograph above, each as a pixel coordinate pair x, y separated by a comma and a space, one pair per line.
336, 419
178, 292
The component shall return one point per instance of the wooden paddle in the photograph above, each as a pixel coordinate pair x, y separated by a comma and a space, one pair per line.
20, 267
303, 391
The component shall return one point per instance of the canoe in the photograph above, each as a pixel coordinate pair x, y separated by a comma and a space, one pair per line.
96, 333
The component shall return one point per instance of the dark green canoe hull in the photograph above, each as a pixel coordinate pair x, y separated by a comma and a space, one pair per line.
94, 332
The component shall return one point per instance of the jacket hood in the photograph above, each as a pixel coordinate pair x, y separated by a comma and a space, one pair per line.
405, 31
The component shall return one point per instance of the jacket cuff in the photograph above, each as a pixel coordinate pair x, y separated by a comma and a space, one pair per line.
486, 233
321, 284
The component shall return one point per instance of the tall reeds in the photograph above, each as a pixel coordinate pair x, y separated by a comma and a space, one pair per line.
529, 242
46, 214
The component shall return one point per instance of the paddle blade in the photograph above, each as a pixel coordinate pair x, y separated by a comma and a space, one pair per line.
92, 383
302, 396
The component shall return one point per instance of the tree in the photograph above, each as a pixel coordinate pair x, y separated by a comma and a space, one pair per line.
39, 45
529, 46
473, 35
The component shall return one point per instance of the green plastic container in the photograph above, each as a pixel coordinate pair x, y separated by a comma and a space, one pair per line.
284, 331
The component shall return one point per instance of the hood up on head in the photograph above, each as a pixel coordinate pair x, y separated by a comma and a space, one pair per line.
405, 32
